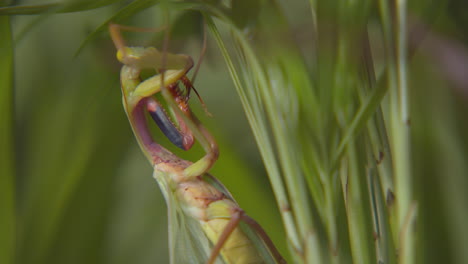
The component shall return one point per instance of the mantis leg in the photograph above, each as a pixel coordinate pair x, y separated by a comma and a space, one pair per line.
236, 217
233, 223
209, 144
188, 123
201, 134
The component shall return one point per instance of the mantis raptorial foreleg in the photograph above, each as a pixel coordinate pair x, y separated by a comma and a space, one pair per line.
175, 70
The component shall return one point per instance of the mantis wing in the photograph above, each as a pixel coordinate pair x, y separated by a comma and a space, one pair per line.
188, 243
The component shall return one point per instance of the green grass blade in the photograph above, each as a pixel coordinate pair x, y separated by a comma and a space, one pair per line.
7, 139
364, 113
262, 140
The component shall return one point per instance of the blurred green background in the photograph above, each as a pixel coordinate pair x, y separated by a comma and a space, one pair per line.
83, 191
76, 189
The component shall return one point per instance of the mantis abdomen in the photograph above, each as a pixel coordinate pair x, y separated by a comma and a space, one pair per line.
215, 212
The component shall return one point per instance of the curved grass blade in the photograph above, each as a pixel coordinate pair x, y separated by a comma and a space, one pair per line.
126, 12
58, 7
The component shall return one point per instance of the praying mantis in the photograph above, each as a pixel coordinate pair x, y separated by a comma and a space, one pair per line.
206, 225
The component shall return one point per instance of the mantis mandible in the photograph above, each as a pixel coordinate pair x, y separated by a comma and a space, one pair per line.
206, 225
